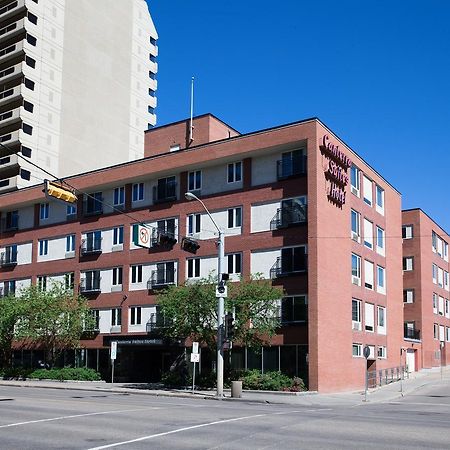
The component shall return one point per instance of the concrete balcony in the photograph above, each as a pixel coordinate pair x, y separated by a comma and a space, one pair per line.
12, 72
12, 51
9, 166
9, 117
9, 95
11, 140
13, 29
11, 9
7, 185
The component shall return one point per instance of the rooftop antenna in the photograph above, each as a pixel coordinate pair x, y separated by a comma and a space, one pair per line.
191, 126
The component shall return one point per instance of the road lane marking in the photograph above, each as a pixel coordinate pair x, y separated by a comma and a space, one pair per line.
193, 427
16, 424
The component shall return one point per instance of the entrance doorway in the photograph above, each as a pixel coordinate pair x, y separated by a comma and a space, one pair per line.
411, 360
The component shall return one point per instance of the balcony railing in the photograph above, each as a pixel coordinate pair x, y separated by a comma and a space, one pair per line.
290, 167
165, 192
93, 207
409, 333
8, 259
287, 216
90, 287
156, 322
280, 270
161, 278
91, 247
10, 224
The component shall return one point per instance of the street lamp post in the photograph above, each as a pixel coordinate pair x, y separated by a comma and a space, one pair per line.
220, 300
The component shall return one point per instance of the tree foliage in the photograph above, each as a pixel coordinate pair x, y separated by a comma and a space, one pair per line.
52, 319
190, 310
10, 312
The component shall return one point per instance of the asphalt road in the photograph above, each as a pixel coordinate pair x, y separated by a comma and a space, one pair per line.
35, 418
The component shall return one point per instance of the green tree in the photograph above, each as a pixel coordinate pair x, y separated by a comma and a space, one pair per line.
10, 312
190, 310
52, 319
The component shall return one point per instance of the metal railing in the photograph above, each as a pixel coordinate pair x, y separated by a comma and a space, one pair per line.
411, 333
8, 258
156, 322
383, 377
165, 192
88, 286
289, 167
161, 278
288, 216
90, 247
277, 270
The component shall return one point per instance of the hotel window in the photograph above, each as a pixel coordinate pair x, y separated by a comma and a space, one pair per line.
42, 282
448, 334
434, 241
436, 331
135, 315
382, 352
136, 274
293, 259
195, 180
381, 322
357, 350
369, 311
294, 309
441, 306
235, 263
434, 272
356, 314
118, 235
447, 309
356, 269
70, 243
355, 180
445, 251
355, 225
368, 233
235, 217
367, 186
71, 210
69, 280
380, 241
193, 267
368, 274
43, 211
43, 247
194, 224
117, 276
381, 280
408, 263
119, 196
235, 172
408, 296
379, 199
407, 231
138, 192
116, 317
440, 277
435, 303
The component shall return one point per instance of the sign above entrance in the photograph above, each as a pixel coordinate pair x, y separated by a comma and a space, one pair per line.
336, 172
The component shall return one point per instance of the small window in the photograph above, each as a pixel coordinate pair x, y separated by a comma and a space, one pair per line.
356, 269
31, 40
118, 235
70, 243
382, 352
116, 317
235, 217
356, 314
367, 185
42, 282
152, 40
380, 241
194, 223
235, 263
151, 92
69, 280
32, 18
30, 62
408, 296
27, 106
43, 247
119, 196
117, 276
27, 129
408, 263
355, 218
138, 192
44, 211
194, 180
368, 274
357, 350
135, 315
71, 210
381, 280
25, 174
368, 234
379, 199
136, 274
193, 267
234, 172
369, 311
174, 148
355, 180
26, 151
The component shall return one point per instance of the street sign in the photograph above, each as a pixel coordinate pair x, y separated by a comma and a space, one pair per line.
222, 291
113, 350
195, 347
141, 235
195, 357
366, 351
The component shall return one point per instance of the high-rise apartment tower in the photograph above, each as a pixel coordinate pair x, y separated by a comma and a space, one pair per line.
77, 86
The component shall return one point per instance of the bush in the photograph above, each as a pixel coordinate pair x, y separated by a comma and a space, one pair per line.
206, 380
9, 373
66, 373
270, 381
174, 378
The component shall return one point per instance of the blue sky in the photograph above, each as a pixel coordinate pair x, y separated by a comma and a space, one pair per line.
376, 72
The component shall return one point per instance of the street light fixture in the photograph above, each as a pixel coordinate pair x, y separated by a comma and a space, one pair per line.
220, 301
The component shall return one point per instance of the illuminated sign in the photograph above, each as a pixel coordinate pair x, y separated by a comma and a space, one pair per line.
336, 172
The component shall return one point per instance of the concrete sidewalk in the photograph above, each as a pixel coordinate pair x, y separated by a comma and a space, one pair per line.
382, 394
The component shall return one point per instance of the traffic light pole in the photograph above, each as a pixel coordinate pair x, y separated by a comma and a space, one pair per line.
220, 315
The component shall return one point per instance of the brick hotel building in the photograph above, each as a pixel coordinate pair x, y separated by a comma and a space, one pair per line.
297, 205
425, 291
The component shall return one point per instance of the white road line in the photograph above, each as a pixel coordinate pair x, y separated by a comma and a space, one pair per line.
74, 416
193, 427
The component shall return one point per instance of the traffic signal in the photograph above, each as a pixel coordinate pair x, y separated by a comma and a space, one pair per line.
166, 239
57, 190
189, 245
229, 327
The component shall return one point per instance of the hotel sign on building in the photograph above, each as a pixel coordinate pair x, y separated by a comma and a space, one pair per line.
336, 172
